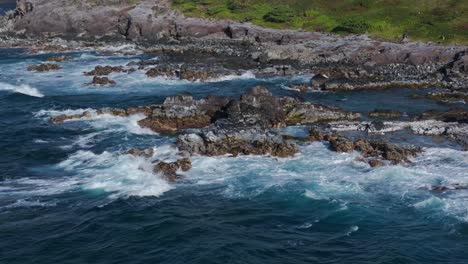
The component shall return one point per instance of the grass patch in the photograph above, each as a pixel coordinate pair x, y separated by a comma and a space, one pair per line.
444, 21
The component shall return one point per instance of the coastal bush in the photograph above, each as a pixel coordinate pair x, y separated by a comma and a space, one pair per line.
279, 14
354, 25
444, 21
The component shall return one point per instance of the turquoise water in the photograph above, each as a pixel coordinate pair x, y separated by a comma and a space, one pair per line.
68, 194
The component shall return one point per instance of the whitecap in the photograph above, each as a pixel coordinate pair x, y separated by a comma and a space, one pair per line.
119, 175
25, 203
22, 89
244, 76
351, 230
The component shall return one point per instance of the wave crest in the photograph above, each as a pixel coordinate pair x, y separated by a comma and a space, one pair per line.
22, 89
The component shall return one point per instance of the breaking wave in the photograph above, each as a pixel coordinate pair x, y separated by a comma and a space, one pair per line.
22, 89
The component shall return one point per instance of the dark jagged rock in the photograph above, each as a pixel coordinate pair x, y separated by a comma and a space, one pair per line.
104, 70
59, 58
44, 67
102, 81
304, 113
443, 188
318, 80
188, 73
62, 118
458, 115
256, 107
369, 149
182, 112
362, 59
249, 141
374, 163
169, 169
146, 153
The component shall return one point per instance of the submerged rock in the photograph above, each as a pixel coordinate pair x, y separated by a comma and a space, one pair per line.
62, 118
368, 149
59, 58
169, 169
183, 112
44, 67
146, 153
104, 70
102, 81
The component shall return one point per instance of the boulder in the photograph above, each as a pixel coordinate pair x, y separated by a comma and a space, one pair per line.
62, 118
169, 169
145, 153
104, 70
44, 67
252, 141
102, 81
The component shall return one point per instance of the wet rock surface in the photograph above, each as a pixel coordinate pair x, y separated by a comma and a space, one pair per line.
373, 151
102, 81
350, 62
168, 170
104, 70
248, 141
146, 153
59, 58
44, 67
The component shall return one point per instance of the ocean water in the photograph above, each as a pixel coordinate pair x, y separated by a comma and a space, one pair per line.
69, 194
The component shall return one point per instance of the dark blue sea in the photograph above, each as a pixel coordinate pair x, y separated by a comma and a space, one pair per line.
69, 194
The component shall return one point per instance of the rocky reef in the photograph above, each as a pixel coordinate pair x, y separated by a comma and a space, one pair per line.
352, 62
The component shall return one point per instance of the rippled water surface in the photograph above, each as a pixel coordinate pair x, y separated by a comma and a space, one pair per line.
68, 194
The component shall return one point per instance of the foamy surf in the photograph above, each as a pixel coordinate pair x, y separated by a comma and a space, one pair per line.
103, 122
22, 89
117, 174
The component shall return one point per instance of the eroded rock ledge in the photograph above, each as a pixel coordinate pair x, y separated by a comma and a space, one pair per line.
352, 62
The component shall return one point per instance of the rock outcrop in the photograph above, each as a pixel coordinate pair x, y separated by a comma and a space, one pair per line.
102, 81
104, 70
44, 67
369, 149
364, 63
241, 141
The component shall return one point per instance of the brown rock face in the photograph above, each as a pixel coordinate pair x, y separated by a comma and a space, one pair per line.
104, 70
183, 73
183, 112
44, 67
369, 149
169, 169
62, 118
218, 142
102, 81
146, 153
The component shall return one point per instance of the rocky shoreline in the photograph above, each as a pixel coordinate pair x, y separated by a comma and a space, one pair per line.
201, 50
350, 62
252, 125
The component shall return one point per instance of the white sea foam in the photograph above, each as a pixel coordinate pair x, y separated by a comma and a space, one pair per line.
327, 175
352, 230
120, 175
104, 122
28, 204
29, 187
244, 76
21, 88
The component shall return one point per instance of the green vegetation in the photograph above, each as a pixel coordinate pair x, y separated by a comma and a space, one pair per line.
444, 21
